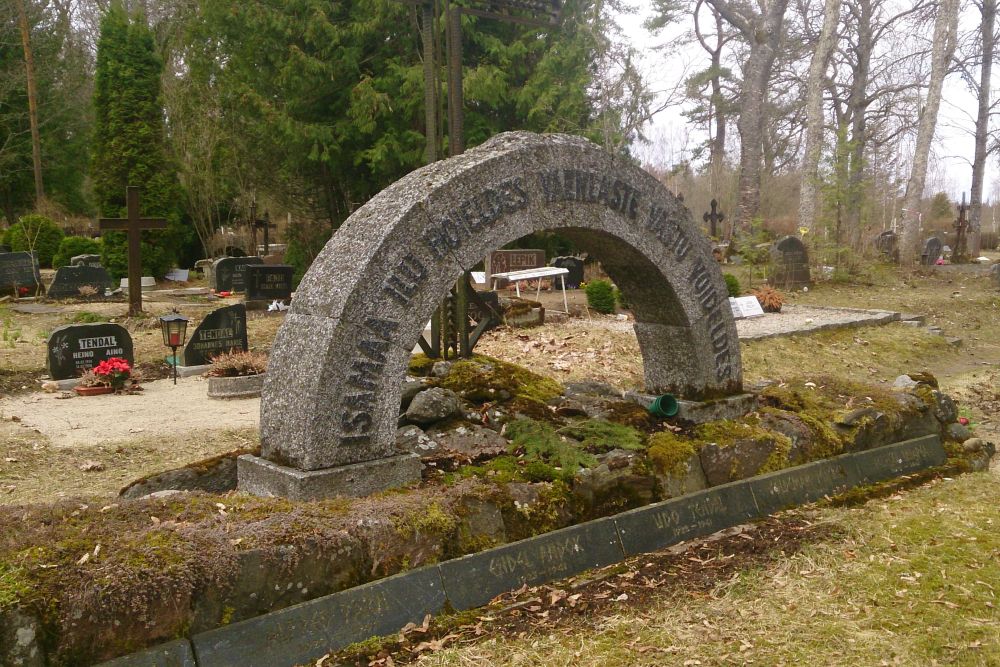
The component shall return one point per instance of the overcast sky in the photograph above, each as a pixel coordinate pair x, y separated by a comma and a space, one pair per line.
953, 149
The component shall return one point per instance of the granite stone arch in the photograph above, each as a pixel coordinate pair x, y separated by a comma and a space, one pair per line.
333, 384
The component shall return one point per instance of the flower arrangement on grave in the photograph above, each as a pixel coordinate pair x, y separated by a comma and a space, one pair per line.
238, 363
770, 299
113, 373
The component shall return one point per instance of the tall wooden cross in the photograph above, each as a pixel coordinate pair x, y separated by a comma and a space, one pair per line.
133, 226
714, 219
958, 254
265, 224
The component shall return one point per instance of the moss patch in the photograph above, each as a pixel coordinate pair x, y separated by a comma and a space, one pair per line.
540, 441
669, 453
13, 586
420, 365
598, 435
483, 379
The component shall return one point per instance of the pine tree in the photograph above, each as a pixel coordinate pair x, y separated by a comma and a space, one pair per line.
129, 142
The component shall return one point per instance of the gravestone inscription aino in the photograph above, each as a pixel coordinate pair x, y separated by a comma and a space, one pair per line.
69, 280
267, 282
229, 273
932, 251
222, 330
789, 264
76, 348
19, 269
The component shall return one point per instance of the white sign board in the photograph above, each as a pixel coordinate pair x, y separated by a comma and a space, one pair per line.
177, 275
745, 306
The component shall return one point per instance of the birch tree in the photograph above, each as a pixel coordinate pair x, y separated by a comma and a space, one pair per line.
988, 9
814, 113
942, 48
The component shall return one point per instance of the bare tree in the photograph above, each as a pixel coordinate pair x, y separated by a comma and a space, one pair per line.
942, 48
814, 113
988, 9
29, 68
762, 31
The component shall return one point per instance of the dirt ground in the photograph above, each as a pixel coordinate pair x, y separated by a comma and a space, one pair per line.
52, 447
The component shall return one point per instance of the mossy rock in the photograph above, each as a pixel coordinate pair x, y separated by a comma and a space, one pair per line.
670, 453
599, 435
420, 365
483, 379
738, 450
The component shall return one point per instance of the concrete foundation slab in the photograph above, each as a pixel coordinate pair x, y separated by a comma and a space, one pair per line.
261, 477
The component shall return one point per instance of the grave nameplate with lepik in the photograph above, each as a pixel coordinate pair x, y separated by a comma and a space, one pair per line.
222, 330
229, 273
502, 261
267, 282
76, 348
19, 269
70, 279
575, 266
789, 264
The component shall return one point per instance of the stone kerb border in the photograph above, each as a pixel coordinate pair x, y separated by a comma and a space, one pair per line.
334, 379
307, 631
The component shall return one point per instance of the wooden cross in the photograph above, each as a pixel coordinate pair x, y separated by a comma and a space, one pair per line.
714, 218
133, 226
266, 225
958, 255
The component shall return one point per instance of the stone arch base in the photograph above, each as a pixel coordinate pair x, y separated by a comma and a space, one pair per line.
331, 397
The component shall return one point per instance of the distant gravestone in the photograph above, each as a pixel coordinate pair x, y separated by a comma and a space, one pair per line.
69, 280
17, 270
575, 266
267, 282
76, 348
85, 260
222, 330
502, 261
789, 264
995, 275
932, 251
229, 273
887, 244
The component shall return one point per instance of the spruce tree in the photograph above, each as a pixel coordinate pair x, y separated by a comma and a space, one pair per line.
129, 142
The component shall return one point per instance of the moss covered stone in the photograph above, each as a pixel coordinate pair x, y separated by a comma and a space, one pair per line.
670, 453
599, 435
482, 379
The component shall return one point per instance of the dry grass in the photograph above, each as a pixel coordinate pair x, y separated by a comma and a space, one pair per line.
911, 582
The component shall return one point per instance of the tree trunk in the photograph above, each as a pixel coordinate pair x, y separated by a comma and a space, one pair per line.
989, 11
814, 114
29, 66
945, 38
858, 103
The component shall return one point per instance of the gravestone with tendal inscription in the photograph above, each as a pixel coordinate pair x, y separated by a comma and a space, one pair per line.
76, 348
222, 330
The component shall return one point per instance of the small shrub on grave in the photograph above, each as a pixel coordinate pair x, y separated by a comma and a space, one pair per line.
601, 296
71, 246
770, 299
35, 233
732, 284
238, 363
621, 299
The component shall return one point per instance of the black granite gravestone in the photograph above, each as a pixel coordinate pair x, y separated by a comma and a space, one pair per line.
887, 244
789, 264
575, 266
222, 330
69, 280
85, 260
19, 270
76, 348
267, 282
932, 251
229, 273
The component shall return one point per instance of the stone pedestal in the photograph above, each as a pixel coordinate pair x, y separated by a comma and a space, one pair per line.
261, 477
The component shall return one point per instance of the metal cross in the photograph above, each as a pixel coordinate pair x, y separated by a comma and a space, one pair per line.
714, 219
133, 226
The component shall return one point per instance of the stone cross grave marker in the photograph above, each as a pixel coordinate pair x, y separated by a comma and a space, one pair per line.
575, 266
222, 330
76, 348
19, 270
69, 280
789, 264
267, 282
229, 273
331, 396
133, 226
714, 218
932, 251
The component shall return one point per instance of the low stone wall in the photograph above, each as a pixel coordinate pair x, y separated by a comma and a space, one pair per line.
94, 583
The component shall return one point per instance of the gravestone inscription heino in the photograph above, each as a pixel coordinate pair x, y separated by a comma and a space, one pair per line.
222, 330
76, 348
